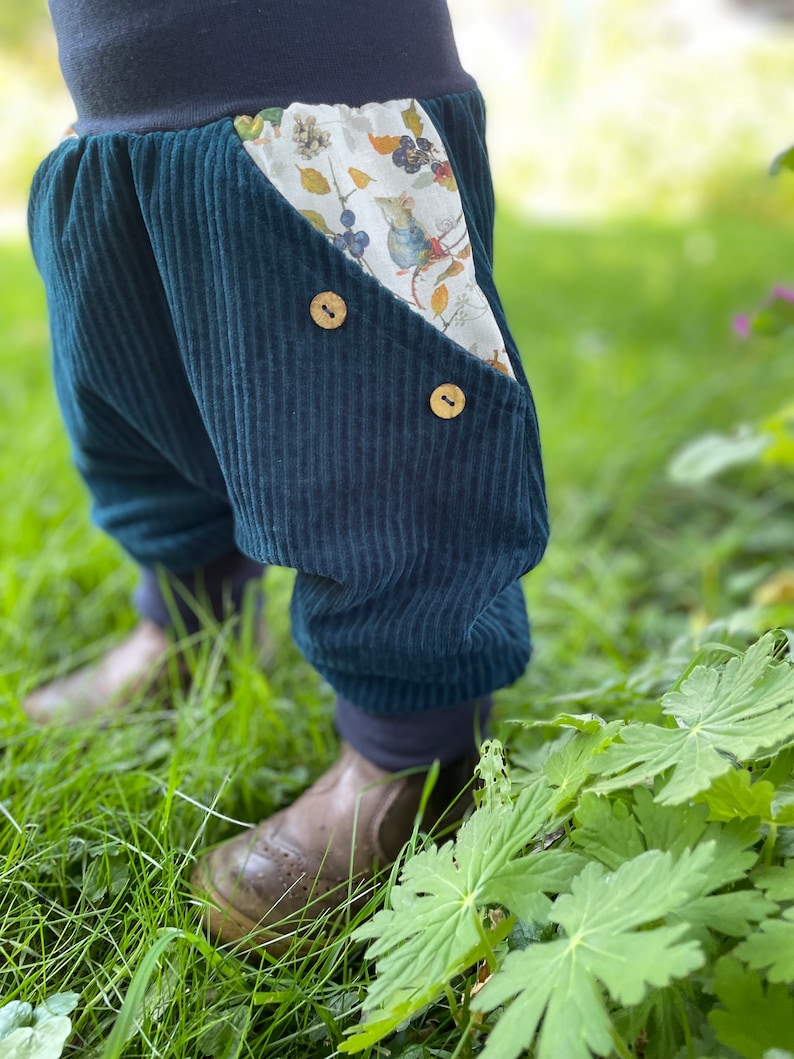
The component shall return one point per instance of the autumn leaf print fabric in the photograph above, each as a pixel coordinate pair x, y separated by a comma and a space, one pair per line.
375, 180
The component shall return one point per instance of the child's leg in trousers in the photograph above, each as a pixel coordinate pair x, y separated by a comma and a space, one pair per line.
409, 528
125, 402
139, 662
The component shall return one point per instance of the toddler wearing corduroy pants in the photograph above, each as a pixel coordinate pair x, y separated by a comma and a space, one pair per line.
276, 339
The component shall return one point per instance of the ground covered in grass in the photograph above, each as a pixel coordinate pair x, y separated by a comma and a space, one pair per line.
627, 339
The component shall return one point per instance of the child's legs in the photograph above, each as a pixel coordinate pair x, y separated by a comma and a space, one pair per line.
409, 531
137, 437
191, 369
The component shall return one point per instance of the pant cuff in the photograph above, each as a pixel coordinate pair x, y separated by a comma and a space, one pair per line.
445, 734
215, 590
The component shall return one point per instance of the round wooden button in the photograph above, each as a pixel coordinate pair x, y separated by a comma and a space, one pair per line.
447, 400
328, 310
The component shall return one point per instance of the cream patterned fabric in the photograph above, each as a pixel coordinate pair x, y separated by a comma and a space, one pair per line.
376, 181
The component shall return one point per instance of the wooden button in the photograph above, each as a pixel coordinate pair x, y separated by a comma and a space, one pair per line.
328, 310
447, 400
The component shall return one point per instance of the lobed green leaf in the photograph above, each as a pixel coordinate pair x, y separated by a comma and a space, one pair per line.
752, 1020
735, 711
442, 894
561, 981
777, 882
772, 948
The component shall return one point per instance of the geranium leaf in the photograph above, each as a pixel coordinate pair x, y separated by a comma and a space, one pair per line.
606, 831
569, 766
561, 981
521, 885
777, 882
751, 1021
738, 710
647, 750
772, 947
734, 795
734, 855
442, 894
667, 827
735, 914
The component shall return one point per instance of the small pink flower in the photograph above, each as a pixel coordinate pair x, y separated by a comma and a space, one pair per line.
741, 326
775, 316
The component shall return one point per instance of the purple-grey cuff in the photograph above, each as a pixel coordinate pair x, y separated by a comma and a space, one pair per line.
217, 587
446, 733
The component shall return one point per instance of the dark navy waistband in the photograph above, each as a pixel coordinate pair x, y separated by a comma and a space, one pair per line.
137, 65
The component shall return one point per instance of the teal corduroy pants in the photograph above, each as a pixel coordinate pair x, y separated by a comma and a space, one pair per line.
208, 411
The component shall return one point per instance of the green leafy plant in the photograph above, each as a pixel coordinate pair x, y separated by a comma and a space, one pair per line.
634, 898
36, 1033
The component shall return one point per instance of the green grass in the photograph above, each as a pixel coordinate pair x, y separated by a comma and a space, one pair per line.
627, 341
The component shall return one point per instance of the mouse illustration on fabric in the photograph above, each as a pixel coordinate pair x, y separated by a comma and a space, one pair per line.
410, 245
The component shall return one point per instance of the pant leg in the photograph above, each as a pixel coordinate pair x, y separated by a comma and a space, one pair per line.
409, 532
138, 439
204, 401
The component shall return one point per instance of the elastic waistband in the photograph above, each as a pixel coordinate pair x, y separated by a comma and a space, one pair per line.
138, 65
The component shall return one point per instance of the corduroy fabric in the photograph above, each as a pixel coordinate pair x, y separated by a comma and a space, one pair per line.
205, 406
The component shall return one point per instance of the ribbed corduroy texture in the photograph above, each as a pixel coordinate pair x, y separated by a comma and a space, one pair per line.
204, 404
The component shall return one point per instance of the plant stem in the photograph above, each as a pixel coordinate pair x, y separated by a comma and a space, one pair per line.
490, 955
453, 1004
463, 1042
620, 1045
690, 1044
769, 845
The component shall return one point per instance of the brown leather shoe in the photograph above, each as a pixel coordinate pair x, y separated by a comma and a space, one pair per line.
270, 884
106, 685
